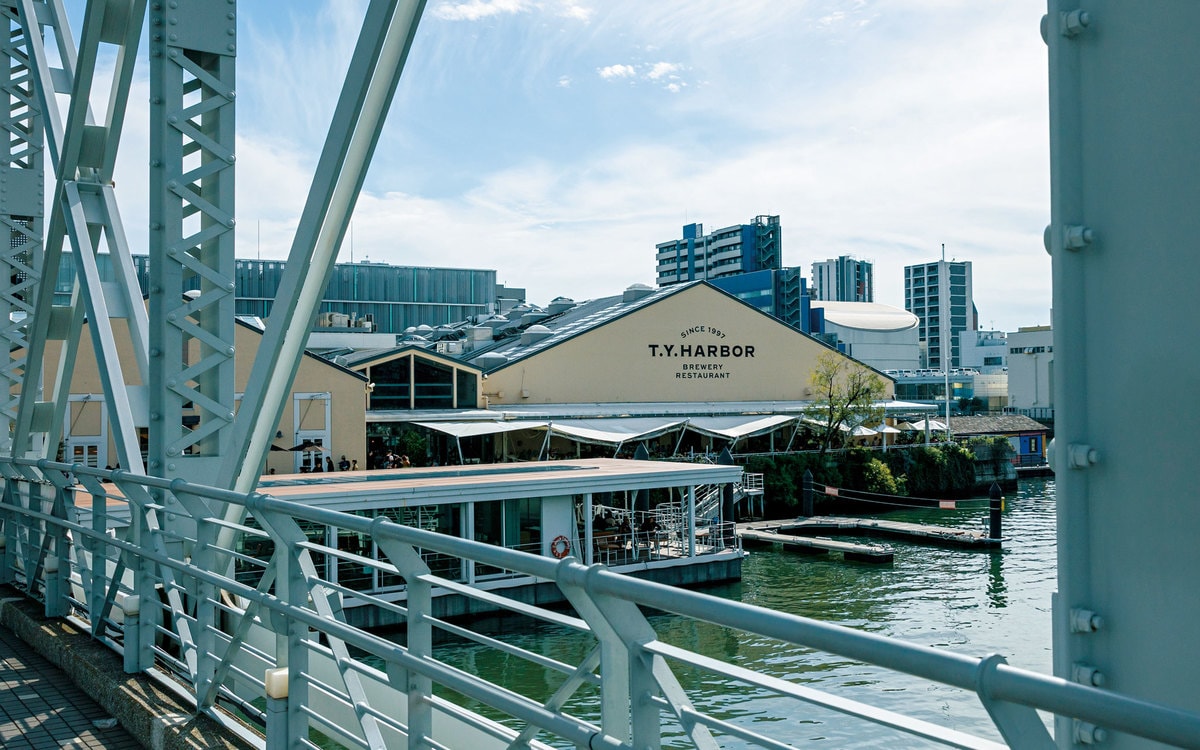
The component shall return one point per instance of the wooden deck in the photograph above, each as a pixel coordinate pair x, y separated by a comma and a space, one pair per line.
876, 553
910, 532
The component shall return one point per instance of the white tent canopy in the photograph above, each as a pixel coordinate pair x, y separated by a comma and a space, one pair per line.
473, 429
614, 431
735, 427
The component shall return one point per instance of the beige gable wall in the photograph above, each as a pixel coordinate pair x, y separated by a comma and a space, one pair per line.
652, 355
347, 393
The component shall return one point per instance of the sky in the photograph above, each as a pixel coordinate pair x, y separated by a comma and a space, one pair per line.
557, 141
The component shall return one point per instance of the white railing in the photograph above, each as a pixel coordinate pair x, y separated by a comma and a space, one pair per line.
138, 560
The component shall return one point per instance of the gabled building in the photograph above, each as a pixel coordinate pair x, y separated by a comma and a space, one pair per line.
325, 415
689, 344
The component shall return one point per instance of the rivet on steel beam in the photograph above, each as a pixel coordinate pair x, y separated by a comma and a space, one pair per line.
1086, 674
1073, 23
155, 351
1089, 734
1077, 236
229, 352
1085, 621
155, 416
172, 451
229, 416
172, 382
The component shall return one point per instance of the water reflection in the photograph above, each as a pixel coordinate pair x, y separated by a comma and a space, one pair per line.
996, 588
971, 602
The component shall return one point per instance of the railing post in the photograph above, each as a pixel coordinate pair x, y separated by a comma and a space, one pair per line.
6, 567
53, 588
131, 608
276, 689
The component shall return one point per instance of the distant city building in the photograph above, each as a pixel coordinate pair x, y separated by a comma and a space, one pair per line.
376, 297
875, 334
782, 293
940, 295
986, 351
741, 248
1031, 372
843, 279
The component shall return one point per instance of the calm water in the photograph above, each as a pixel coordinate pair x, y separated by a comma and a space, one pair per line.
974, 603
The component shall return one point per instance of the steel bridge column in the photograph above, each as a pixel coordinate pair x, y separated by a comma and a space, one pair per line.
1122, 237
192, 48
22, 196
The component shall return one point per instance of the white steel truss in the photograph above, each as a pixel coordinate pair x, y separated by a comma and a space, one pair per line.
22, 190
83, 210
192, 66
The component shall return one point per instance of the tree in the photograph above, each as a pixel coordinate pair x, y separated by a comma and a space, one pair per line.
845, 394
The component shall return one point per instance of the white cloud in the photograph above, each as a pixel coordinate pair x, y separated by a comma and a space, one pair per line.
564, 82
665, 73
617, 71
474, 10
660, 69
571, 9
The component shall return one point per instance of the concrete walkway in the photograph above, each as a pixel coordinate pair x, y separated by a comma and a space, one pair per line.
42, 709
52, 676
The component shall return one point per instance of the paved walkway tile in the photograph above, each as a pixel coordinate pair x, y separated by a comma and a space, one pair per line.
41, 709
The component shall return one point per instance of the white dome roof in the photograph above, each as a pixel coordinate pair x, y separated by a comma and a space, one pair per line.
867, 316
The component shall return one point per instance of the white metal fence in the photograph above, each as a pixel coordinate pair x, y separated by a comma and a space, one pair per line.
254, 626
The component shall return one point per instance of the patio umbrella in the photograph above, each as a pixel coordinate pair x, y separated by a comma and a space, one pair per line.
884, 429
309, 446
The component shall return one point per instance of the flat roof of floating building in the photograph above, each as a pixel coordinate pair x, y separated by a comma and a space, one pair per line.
366, 490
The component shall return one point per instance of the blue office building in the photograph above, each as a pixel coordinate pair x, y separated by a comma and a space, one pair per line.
741, 248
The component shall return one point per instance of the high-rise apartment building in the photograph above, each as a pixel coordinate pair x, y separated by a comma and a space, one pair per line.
741, 248
939, 294
843, 279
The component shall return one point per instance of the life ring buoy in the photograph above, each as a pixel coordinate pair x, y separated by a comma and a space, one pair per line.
560, 547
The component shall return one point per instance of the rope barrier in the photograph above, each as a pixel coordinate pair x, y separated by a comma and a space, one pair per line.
866, 496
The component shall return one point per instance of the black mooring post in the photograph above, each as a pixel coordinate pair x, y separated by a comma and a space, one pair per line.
996, 502
806, 494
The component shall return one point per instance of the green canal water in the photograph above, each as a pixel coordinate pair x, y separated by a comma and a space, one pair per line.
970, 602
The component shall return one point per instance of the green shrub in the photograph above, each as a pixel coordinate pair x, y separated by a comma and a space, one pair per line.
877, 477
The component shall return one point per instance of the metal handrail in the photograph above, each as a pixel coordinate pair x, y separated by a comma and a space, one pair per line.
43, 525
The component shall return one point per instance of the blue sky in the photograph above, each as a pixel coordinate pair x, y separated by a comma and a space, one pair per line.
557, 141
